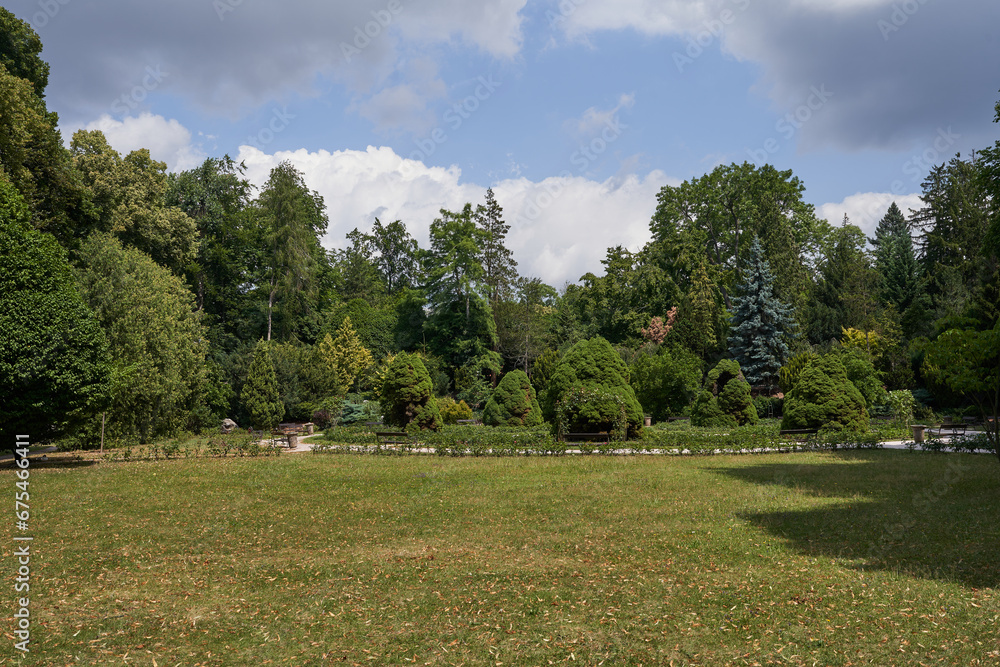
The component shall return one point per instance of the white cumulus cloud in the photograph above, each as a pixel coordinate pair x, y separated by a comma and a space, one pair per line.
560, 227
167, 140
865, 209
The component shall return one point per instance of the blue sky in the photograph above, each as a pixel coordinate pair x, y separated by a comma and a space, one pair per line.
575, 112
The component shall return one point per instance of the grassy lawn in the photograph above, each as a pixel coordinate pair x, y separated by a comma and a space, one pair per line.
826, 558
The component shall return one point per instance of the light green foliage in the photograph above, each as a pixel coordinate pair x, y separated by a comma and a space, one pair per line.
513, 403
129, 195
158, 343
726, 400
699, 317
666, 382
825, 398
593, 365
345, 356
54, 363
452, 411
407, 396
790, 373
543, 369
862, 373
260, 392
32, 155
903, 405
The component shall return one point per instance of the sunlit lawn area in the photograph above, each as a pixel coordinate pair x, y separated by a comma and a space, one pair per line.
843, 558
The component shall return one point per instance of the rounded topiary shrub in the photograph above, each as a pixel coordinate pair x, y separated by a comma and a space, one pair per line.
513, 403
824, 398
452, 411
725, 400
595, 366
408, 395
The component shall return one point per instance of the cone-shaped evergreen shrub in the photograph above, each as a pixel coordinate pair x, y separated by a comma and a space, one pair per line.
408, 395
260, 393
592, 365
513, 403
726, 400
825, 398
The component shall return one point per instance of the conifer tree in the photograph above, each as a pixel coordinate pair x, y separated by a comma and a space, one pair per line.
345, 355
760, 323
499, 267
260, 393
895, 260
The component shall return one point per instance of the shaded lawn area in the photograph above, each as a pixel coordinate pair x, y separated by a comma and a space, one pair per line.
810, 558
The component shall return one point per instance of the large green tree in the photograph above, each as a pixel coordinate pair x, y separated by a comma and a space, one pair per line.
129, 195
35, 161
54, 360
293, 219
968, 362
963, 273
714, 218
895, 260
158, 343
216, 196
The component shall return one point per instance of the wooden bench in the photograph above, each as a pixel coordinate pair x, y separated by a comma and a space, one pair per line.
947, 430
600, 438
469, 422
798, 433
393, 438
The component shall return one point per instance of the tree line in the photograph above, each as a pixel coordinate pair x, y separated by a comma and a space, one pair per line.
169, 301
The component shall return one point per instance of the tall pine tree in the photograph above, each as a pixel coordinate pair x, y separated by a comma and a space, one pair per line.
760, 323
895, 260
499, 267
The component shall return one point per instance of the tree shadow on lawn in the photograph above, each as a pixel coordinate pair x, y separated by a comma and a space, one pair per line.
925, 515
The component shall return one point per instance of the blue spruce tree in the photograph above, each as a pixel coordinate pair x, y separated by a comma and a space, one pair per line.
760, 323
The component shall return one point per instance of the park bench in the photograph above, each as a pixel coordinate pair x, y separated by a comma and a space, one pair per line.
580, 438
798, 433
392, 438
947, 431
469, 422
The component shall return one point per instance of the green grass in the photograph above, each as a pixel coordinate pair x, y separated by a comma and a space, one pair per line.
826, 558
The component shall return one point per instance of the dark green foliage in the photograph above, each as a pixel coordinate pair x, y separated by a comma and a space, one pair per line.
760, 323
666, 382
726, 400
895, 260
19, 52
513, 403
594, 365
54, 363
408, 395
825, 398
260, 391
